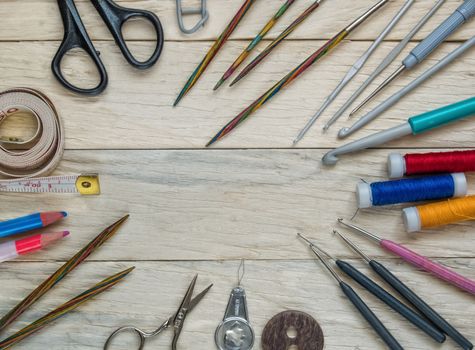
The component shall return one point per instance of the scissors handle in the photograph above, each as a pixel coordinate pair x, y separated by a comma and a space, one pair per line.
75, 36
142, 336
137, 332
116, 16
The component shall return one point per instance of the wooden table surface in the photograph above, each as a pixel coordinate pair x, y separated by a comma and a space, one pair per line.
196, 210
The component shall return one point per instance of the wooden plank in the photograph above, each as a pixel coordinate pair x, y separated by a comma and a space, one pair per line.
195, 205
136, 111
40, 20
154, 290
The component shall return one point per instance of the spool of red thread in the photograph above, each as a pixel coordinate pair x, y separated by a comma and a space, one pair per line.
430, 163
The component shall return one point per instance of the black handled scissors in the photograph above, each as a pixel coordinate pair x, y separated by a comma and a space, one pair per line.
176, 320
75, 36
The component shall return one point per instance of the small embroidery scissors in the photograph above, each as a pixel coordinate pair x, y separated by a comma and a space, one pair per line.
75, 36
176, 321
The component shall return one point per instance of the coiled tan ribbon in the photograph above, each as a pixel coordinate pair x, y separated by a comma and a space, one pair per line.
40, 154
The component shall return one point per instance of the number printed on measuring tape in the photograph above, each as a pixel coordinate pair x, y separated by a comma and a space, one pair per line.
87, 184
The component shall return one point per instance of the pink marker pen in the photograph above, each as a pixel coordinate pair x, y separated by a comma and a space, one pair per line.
12, 249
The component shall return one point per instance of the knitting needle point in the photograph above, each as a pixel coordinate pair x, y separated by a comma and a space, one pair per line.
257, 39
296, 72
299, 20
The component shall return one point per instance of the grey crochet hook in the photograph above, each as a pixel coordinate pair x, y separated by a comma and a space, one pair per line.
414, 125
460, 16
355, 68
385, 62
344, 132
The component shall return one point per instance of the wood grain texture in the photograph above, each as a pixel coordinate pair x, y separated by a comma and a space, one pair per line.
136, 109
227, 205
200, 211
40, 20
154, 290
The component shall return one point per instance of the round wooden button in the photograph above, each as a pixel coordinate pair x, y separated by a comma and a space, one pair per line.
292, 328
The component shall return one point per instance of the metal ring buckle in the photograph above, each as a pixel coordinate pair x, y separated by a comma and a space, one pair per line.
180, 11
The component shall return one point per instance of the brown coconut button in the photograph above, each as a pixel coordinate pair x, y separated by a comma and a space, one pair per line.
292, 328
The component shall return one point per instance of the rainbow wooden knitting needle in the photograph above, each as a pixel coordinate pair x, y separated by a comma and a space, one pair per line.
62, 272
64, 309
330, 44
213, 51
254, 42
300, 19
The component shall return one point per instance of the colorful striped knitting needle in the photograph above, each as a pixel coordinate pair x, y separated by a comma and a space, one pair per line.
277, 41
56, 277
64, 309
30, 222
10, 250
330, 44
213, 51
254, 42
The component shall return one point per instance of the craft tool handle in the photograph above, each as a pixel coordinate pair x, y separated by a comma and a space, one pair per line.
430, 266
372, 319
116, 16
459, 17
420, 304
391, 301
447, 114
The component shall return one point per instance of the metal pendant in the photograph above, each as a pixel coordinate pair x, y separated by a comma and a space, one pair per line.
235, 331
180, 12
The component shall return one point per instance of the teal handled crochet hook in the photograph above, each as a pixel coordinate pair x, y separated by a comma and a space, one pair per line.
383, 106
461, 15
354, 69
385, 62
414, 125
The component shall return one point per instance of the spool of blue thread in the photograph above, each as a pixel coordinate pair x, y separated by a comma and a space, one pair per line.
411, 190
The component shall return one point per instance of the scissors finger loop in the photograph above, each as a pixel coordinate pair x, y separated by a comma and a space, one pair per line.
116, 16
75, 36
142, 336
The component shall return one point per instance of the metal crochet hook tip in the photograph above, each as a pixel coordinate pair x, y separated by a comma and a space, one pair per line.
352, 245
379, 89
318, 253
360, 230
314, 246
305, 239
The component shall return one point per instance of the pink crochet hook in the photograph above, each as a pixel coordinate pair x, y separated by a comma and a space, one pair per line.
415, 259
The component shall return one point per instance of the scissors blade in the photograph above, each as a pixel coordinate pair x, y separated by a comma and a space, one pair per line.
189, 294
186, 306
198, 298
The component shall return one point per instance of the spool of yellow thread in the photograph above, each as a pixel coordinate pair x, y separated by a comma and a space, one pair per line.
439, 213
